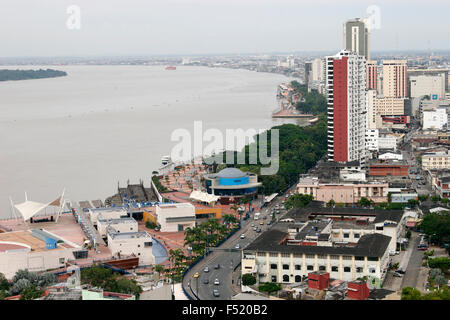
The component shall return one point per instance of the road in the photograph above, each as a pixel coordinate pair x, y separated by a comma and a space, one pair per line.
415, 263
227, 260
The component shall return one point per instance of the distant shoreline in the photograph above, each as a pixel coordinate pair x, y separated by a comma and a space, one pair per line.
16, 75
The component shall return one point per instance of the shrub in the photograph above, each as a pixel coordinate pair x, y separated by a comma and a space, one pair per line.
248, 280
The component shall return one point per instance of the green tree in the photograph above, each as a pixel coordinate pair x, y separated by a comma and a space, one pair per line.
437, 226
409, 293
423, 197
4, 284
365, 202
248, 279
413, 203
331, 203
408, 234
269, 287
31, 293
298, 201
442, 263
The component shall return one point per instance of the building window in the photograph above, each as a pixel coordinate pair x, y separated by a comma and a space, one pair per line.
322, 268
310, 256
274, 278
359, 258
62, 260
372, 258
298, 278
359, 269
285, 267
298, 267
334, 269
148, 244
285, 278
273, 266
310, 267
346, 269
346, 235
356, 235
139, 245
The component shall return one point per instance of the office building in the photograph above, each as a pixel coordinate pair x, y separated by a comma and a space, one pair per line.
356, 37
394, 78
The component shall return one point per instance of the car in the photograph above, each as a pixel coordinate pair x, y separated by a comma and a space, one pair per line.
261, 223
258, 230
196, 275
253, 225
206, 281
242, 236
269, 223
400, 271
398, 275
254, 228
217, 282
216, 293
237, 246
206, 269
217, 266
265, 217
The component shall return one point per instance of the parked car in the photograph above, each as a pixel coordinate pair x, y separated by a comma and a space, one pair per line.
398, 275
206, 269
216, 282
216, 293
400, 271
242, 236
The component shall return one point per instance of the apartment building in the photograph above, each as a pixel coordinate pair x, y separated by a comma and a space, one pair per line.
394, 78
436, 160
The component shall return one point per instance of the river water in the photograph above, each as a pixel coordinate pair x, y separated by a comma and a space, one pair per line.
101, 125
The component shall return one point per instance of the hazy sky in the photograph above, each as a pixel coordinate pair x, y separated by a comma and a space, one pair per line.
145, 27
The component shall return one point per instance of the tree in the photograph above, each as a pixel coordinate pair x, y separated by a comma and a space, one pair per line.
409, 293
19, 286
365, 202
298, 201
408, 234
158, 268
423, 197
331, 203
269, 287
150, 224
4, 284
435, 198
437, 226
31, 293
442, 263
413, 202
248, 279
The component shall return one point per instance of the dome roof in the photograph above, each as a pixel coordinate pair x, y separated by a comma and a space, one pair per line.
231, 173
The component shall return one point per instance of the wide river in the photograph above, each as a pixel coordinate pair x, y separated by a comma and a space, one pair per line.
102, 125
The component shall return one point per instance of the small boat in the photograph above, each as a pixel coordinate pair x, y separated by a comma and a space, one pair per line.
171, 68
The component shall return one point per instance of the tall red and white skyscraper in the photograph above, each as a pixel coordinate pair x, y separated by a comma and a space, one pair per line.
347, 107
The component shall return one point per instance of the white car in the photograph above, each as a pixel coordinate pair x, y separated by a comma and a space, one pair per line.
206, 269
216, 282
237, 246
242, 236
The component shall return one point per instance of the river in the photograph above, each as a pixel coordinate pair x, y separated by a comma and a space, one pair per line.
101, 125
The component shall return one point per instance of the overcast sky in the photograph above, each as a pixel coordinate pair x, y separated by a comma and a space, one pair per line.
146, 27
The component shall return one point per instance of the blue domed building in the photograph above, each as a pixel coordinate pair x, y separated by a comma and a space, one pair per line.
231, 183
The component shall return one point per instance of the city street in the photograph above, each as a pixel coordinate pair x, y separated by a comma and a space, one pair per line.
415, 263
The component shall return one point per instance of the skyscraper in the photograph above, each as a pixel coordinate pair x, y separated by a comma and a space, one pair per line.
372, 75
356, 37
347, 106
394, 78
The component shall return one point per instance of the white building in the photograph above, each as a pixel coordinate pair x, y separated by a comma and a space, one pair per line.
434, 119
175, 217
122, 225
378, 105
32, 250
428, 85
387, 142
317, 71
372, 136
436, 160
390, 156
106, 213
139, 244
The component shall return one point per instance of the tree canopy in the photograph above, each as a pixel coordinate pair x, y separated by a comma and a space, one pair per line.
6, 75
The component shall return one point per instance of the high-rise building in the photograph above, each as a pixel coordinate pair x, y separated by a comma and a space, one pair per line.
317, 72
394, 78
307, 75
347, 106
356, 37
371, 75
